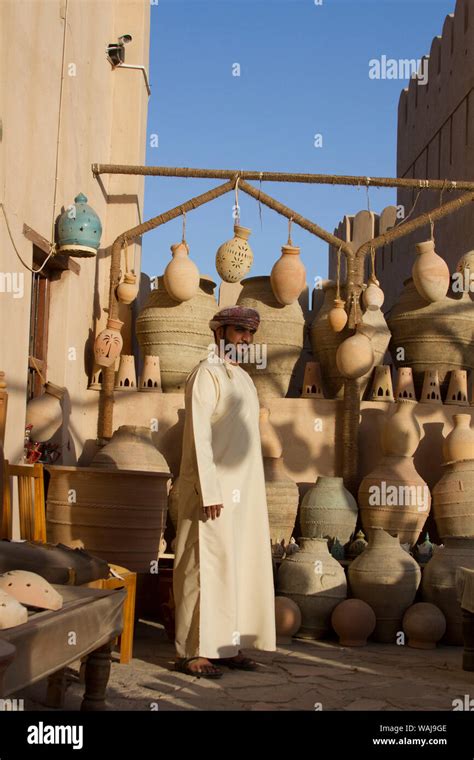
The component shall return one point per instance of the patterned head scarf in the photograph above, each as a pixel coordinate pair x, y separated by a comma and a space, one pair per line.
236, 315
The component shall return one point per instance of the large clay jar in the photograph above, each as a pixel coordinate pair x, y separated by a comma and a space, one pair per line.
453, 500
439, 582
430, 272
45, 412
108, 344
234, 258
436, 335
282, 502
328, 510
131, 448
181, 276
288, 275
280, 333
316, 582
459, 444
325, 340
355, 356
178, 333
386, 577
401, 433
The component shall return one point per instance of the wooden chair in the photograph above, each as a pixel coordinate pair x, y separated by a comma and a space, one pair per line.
32, 514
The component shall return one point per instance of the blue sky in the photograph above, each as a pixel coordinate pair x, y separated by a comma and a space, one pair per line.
303, 71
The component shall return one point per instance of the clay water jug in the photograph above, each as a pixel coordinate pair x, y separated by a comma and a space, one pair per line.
337, 316
181, 276
355, 356
459, 444
288, 275
328, 510
387, 578
234, 258
373, 296
108, 344
127, 291
430, 273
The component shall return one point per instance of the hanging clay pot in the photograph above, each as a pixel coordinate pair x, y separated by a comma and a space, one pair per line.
45, 412
373, 296
424, 625
439, 582
108, 344
328, 510
271, 443
282, 502
325, 342
453, 498
354, 621
288, 275
287, 617
316, 582
181, 276
127, 291
430, 273
11, 611
234, 258
387, 578
355, 356
401, 433
78, 229
337, 316
459, 444
131, 448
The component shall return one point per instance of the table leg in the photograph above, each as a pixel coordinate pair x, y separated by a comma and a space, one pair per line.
97, 672
56, 689
468, 636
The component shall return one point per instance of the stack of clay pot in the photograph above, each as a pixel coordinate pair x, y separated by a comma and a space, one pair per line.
385, 577
282, 492
453, 506
328, 510
394, 496
280, 334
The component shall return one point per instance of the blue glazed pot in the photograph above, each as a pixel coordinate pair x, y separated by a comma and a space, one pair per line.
79, 229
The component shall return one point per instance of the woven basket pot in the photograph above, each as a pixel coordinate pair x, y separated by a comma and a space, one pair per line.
281, 333
177, 332
453, 500
436, 335
282, 501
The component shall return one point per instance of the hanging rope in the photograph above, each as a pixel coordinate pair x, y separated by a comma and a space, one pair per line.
259, 202
183, 237
236, 206
51, 247
431, 229
372, 264
290, 220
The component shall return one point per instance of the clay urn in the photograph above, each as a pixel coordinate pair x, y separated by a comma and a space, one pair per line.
127, 291
45, 412
354, 621
288, 275
131, 448
459, 444
181, 276
11, 611
108, 344
373, 296
430, 273
328, 510
287, 617
424, 624
337, 316
234, 258
355, 356
401, 433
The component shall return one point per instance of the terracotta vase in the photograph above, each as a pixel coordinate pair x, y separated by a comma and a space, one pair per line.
430, 393
126, 379
433, 335
316, 582
45, 412
387, 578
337, 316
288, 275
325, 342
382, 388
270, 440
178, 333
328, 510
453, 499
395, 497
108, 344
457, 388
150, 379
459, 443
234, 258
373, 296
131, 448
127, 291
405, 387
430, 273
280, 335
401, 433
439, 582
282, 502
424, 625
354, 621
287, 617
181, 276
355, 356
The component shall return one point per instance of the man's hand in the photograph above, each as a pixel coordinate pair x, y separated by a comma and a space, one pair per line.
213, 511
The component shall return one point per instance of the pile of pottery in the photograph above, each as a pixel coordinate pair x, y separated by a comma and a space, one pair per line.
453, 507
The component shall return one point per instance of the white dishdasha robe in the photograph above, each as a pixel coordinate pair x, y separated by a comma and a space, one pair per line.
223, 576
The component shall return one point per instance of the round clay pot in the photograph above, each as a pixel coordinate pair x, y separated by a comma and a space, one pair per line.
401, 433
355, 356
316, 582
271, 443
131, 448
430, 273
234, 258
439, 582
453, 500
181, 276
288, 275
282, 502
328, 510
386, 577
424, 625
337, 316
354, 621
45, 413
459, 444
466, 262
108, 344
373, 296
325, 340
127, 291
357, 546
287, 617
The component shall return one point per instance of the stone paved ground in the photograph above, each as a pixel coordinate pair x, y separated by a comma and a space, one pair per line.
304, 675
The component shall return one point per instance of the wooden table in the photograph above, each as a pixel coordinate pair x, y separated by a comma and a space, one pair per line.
49, 641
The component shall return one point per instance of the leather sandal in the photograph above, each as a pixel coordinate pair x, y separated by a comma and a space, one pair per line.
244, 663
183, 667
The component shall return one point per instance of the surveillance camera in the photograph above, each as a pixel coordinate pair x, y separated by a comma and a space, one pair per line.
125, 38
